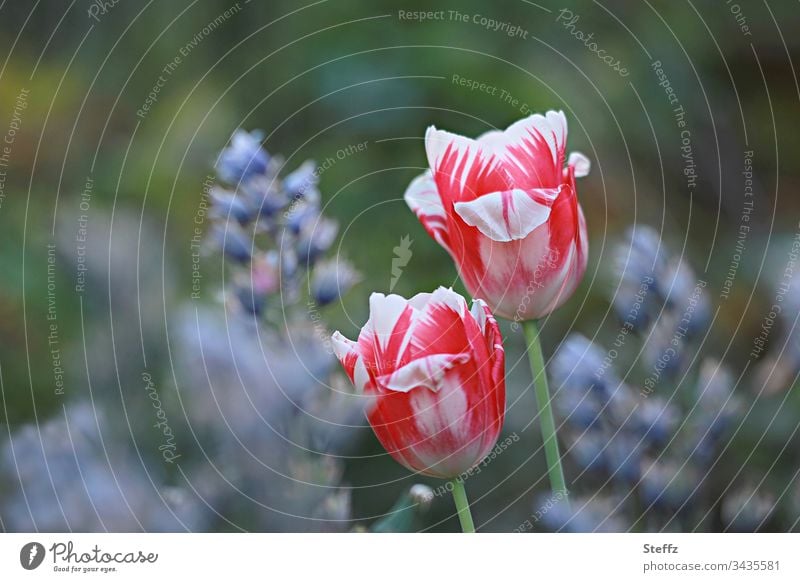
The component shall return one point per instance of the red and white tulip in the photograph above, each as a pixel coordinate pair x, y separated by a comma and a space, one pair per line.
504, 206
435, 372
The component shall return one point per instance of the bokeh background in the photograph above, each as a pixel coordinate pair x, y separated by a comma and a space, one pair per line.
110, 139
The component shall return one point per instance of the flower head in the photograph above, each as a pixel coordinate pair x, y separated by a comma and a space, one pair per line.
243, 158
505, 207
435, 372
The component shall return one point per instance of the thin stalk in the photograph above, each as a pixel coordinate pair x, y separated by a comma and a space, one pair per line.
546, 421
462, 506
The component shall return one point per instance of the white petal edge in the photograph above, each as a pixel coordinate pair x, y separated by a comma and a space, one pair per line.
427, 372
581, 163
343, 347
446, 296
438, 140
478, 312
422, 304
360, 376
384, 313
423, 198
441, 294
552, 127
525, 214
466, 150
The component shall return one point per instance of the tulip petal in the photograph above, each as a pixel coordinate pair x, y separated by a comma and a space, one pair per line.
385, 311
440, 144
347, 352
343, 347
425, 372
581, 164
446, 296
492, 338
462, 167
423, 199
441, 418
478, 313
439, 326
420, 300
422, 303
531, 149
509, 215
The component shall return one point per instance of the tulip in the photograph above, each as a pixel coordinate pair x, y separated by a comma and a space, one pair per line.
434, 372
505, 207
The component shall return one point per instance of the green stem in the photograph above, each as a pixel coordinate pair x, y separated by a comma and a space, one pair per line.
462, 506
546, 421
